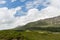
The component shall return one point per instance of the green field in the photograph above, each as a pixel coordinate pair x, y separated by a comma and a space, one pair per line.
28, 35
48, 29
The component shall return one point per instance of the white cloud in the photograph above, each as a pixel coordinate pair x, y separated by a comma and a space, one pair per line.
55, 3
8, 21
33, 4
13, 0
35, 14
6, 17
50, 11
2, 1
36, 3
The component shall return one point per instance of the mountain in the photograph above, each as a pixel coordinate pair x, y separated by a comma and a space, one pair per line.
45, 23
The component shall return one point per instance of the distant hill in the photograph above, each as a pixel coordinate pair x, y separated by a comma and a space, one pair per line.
46, 23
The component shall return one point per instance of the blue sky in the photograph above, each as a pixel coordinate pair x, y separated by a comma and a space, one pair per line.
15, 13
17, 3
22, 4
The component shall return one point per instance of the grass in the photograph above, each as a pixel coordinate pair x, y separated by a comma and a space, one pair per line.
29, 35
41, 36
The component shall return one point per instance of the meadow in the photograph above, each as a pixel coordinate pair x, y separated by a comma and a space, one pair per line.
28, 35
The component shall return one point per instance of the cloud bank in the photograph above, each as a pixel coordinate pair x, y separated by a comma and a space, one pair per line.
2, 1
8, 20
6, 17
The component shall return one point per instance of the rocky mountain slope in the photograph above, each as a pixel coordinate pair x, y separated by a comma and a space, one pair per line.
46, 23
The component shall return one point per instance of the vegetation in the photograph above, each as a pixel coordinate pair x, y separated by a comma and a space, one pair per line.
47, 29
28, 35
10, 34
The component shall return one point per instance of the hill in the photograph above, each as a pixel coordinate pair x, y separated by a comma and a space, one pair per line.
50, 23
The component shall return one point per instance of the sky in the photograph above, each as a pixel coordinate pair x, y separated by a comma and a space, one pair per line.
15, 13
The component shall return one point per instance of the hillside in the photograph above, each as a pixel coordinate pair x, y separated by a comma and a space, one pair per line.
46, 23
